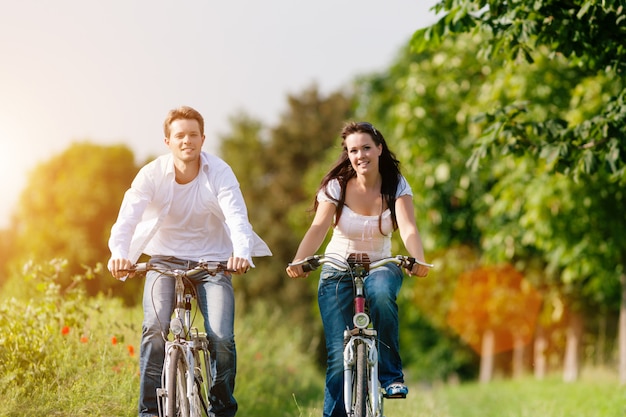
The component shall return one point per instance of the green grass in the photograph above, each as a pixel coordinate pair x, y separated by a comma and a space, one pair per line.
596, 395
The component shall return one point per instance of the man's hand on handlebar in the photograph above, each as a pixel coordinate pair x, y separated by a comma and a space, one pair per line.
239, 265
119, 267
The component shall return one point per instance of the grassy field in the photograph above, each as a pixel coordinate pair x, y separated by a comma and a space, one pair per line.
596, 395
68, 355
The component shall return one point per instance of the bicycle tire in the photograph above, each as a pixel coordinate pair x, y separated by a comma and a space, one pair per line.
360, 396
177, 403
202, 383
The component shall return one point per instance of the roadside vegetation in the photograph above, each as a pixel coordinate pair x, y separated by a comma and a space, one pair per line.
67, 354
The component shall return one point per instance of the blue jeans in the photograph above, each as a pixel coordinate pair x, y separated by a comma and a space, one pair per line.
217, 303
335, 297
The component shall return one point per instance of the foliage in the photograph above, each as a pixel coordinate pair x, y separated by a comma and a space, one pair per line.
496, 299
561, 113
423, 105
455, 102
271, 171
589, 34
7, 251
69, 205
71, 354
88, 369
431, 349
277, 368
55, 344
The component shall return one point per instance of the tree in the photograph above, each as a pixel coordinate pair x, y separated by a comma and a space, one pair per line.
495, 309
589, 149
590, 35
271, 172
69, 205
423, 104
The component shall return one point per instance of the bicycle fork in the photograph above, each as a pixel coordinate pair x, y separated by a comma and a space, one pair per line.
349, 363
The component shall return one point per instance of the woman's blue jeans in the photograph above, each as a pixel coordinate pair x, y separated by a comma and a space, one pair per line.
335, 299
217, 304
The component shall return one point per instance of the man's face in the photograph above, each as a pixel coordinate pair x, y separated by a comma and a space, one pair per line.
185, 139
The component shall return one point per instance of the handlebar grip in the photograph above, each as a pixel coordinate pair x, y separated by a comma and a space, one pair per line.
310, 263
140, 267
409, 262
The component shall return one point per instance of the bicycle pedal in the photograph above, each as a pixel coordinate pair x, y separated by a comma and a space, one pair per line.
395, 396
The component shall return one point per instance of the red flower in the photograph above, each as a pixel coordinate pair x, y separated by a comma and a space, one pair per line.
84, 339
114, 340
65, 330
131, 350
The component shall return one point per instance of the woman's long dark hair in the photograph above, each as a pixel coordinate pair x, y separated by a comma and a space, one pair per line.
388, 166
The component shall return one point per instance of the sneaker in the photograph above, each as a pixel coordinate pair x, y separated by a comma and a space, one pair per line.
396, 390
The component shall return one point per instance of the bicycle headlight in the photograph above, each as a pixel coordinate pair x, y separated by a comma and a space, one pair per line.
361, 320
176, 326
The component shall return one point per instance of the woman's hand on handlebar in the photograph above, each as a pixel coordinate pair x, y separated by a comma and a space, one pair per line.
418, 269
296, 271
119, 267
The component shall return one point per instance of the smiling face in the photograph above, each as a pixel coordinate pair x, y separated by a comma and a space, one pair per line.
185, 140
363, 153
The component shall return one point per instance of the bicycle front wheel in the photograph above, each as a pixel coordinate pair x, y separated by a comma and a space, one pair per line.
202, 383
176, 404
361, 379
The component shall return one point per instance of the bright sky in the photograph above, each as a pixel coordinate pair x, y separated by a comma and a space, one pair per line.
108, 71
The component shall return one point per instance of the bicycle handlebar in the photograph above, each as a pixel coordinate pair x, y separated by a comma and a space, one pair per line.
210, 267
311, 263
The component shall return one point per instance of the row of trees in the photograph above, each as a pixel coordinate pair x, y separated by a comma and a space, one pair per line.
513, 164
548, 140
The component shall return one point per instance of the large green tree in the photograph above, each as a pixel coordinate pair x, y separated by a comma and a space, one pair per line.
423, 104
589, 34
69, 204
271, 163
581, 240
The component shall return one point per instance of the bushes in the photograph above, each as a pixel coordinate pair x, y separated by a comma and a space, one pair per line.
60, 348
71, 354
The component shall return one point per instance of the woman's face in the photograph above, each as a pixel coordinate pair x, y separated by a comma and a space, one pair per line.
363, 153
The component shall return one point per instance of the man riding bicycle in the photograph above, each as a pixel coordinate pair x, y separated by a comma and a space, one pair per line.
183, 207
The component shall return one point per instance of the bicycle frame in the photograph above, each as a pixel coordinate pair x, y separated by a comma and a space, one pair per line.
187, 354
191, 343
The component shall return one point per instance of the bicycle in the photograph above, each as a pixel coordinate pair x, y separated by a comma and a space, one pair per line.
362, 392
187, 374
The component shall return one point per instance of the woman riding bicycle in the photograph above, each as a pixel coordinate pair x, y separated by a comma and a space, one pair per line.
364, 197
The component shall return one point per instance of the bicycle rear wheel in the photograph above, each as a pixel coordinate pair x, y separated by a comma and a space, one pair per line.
176, 404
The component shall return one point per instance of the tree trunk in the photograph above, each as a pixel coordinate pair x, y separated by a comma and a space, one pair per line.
540, 362
487, 356
572, 348
622, 333
518, 356
601, 343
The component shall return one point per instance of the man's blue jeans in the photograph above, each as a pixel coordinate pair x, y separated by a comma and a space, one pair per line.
217, 304
335, 296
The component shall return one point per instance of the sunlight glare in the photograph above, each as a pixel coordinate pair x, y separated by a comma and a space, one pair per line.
13, 171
